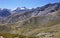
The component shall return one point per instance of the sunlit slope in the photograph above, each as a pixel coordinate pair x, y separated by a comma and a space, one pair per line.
41, 26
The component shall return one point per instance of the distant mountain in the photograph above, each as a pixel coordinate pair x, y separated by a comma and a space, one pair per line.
21, 9
4, 12
48, 8
23, 14
34, 11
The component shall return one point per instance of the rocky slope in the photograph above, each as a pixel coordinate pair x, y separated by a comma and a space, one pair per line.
42, 22
28, 13
47, 26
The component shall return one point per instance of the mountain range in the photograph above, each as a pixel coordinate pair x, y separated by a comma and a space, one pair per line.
40, 21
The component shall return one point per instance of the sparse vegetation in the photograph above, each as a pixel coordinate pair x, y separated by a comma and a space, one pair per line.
8, 35
32, 24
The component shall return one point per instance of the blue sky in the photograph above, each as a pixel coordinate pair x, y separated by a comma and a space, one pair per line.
10, 4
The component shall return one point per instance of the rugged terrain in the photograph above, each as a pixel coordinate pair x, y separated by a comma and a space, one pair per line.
41, 22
